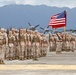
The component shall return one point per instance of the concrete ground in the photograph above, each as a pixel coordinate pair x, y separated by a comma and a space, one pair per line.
37, 72
65, 58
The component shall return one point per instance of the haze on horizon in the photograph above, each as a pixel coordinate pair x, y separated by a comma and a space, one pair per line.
57, 3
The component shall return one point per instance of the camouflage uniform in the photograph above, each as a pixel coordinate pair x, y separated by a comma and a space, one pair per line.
45, 47
2, 46
28, 44
36, 50
11, 50
5, 42
22, 45
64, 44
41, 45
16, 44
25, 46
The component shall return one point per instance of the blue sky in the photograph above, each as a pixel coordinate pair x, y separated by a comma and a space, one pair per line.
57, 3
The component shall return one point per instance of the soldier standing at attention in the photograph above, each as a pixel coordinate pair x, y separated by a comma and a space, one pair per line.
41, 44
64, 44
25, 48
29, 44
11, 39
5, 40
22, 45
35, 42
16, 44
32, 34
58, 44
2, 45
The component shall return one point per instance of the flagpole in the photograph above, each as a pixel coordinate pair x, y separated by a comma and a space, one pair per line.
64, 29
65, 23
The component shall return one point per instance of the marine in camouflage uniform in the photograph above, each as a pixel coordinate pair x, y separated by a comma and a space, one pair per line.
58, 44
68, 43
2, 45
11, 49
41, 45
31, 39
5, 41
16, 44
35, 42
25, 44
28, 44
22, 45
64, 44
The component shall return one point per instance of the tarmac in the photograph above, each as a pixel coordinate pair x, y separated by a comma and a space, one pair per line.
37, 72
65, 58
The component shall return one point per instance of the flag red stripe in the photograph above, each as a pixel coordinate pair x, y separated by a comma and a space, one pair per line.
58, 26
56, 22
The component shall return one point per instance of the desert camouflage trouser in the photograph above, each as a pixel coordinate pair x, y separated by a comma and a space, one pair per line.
40, 53
11, 53
45, 51
68, 46
21, 52
72, 47
17, 49
64, 46
2, 54
42, 50
52, 46
36, 51
25, 52
29, 52
58, 47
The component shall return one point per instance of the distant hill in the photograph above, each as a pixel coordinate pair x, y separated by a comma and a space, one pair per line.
19, 15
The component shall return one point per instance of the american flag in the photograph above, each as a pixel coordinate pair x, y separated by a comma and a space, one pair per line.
58, 20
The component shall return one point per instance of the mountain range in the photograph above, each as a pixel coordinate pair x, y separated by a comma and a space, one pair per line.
18, 16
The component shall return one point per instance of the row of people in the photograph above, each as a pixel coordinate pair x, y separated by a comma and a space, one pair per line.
22, 44
66, 42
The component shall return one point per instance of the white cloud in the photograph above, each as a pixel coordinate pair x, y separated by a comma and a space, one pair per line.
63, 3
6, 2
58, 3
